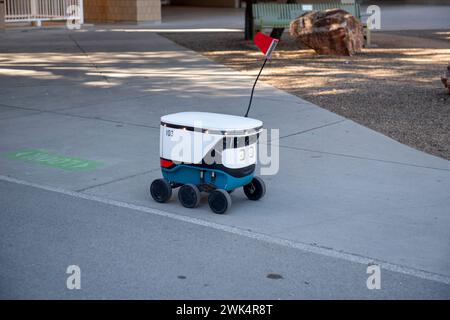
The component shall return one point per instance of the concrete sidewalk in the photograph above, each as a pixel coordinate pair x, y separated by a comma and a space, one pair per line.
98, 94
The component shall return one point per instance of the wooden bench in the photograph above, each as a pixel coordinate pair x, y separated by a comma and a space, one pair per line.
280, 15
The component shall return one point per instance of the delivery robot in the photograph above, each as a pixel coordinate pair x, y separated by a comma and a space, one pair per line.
208, 152
211, 152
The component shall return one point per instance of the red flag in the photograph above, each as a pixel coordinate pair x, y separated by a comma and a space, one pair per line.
265, 43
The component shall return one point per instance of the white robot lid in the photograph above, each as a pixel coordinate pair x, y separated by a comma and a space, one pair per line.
223, 123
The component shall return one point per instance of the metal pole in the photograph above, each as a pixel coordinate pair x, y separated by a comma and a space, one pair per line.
249, 19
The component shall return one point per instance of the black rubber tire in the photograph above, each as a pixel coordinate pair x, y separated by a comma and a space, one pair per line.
189, 195
160, 190
256, 189
219, 201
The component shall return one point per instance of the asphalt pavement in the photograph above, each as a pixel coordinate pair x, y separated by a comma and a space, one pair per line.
126, 253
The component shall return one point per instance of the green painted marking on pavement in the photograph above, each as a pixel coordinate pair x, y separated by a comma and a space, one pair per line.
53, 160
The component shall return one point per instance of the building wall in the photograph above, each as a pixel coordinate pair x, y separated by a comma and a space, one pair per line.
95, 10
133, 11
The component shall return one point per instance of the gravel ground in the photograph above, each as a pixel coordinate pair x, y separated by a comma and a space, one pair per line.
393, 88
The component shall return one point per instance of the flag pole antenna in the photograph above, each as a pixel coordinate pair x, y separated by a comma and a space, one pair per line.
253, 89
267, 45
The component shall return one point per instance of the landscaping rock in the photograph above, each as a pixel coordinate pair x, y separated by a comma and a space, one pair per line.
331, 32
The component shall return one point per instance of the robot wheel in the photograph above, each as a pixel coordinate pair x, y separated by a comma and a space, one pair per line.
256, 189
219, 201
160, 190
